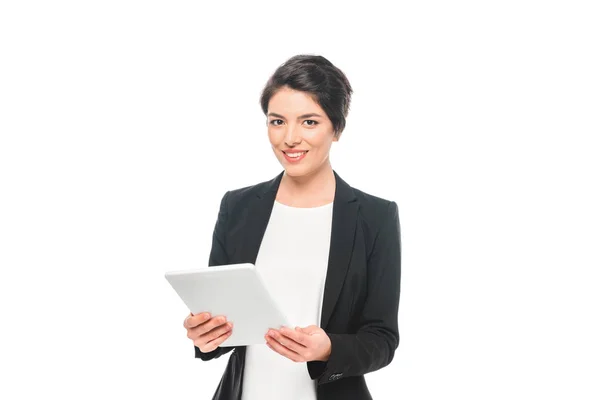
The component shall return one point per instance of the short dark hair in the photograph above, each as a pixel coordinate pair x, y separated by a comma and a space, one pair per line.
317, 76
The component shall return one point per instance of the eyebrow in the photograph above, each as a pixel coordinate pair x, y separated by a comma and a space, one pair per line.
300, 117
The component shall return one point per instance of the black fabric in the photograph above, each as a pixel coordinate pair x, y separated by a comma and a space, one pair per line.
362, 286
230, 386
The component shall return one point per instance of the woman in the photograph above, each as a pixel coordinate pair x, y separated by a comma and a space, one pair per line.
329, 254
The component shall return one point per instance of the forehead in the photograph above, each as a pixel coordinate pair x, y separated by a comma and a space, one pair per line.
291, 102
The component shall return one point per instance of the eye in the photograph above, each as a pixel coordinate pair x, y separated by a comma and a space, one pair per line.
312, 120
273, 120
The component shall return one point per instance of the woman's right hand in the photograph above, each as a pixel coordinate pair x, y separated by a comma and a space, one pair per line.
207, 332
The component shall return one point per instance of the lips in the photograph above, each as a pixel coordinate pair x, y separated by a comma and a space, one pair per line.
294, 155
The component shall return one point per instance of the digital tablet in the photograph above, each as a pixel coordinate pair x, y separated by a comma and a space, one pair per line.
235, 291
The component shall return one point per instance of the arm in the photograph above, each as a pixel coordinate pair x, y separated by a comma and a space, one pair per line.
218, 256
375, 342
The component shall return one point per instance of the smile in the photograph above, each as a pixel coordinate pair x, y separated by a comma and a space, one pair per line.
295, 156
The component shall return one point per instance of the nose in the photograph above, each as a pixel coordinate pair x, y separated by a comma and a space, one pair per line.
292, 136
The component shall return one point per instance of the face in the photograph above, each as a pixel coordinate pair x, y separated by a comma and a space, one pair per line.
299, 131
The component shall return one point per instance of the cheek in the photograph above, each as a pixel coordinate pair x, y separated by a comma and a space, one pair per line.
320, 137
274, 137
322, 143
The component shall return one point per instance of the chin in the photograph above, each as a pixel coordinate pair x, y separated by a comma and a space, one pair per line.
295, 171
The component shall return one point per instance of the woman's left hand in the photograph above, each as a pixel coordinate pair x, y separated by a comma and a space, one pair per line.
301, 344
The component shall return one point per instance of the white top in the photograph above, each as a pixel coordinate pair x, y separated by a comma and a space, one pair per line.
292, 260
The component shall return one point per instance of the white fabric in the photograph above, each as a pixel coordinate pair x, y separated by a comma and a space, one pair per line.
292, 260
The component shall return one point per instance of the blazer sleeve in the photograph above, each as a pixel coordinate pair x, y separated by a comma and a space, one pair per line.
218, 256
375, 342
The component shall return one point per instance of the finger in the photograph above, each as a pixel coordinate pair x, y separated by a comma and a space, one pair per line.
299, 337
209, 325
284, 351
192, 321
216, 332
202, 340
206, 327
213, 344
288, 343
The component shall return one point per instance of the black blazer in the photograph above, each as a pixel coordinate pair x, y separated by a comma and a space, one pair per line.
362, 286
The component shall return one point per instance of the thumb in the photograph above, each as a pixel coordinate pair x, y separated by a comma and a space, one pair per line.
309, 329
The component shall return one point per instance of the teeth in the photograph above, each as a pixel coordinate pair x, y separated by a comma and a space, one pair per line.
294, 155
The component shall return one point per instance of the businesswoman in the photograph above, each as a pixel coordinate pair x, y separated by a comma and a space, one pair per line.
328, 252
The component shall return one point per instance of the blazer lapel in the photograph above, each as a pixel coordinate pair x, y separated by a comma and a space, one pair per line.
343, 228
258, 212
345, 212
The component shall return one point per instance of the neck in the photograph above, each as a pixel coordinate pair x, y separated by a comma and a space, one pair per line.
320, 182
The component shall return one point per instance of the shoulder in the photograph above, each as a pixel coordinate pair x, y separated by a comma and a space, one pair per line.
374, 208
375, 215
242, 195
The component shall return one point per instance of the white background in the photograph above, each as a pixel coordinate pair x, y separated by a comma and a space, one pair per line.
124, 122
